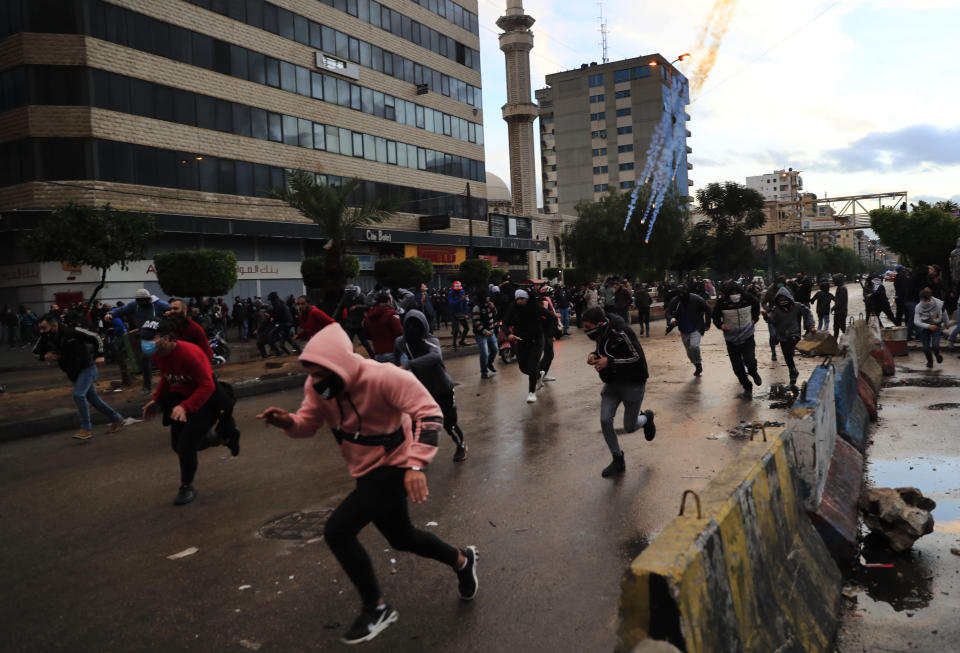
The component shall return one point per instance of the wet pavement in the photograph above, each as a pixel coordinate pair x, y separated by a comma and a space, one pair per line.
913, 605
88, 527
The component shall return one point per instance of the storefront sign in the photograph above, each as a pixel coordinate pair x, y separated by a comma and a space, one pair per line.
493, 259
367, 262
439, 255
378, 235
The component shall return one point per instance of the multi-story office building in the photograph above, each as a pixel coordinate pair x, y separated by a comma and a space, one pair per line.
193, 109
596, 124
778, 186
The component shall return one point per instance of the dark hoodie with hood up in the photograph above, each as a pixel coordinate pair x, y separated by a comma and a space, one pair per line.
619, 345
423, 356
786, 319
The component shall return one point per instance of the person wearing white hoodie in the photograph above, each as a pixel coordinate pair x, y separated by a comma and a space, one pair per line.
930, 318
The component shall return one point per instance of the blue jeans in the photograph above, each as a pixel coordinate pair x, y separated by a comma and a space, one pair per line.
565, 318
823, 322
910, 307
84, 391
242, 329
488, 351
383, 358
931, 341
612, 395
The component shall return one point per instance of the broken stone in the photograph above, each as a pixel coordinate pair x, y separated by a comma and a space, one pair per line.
900, 515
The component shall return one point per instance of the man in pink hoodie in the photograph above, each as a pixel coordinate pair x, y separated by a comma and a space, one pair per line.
387, 426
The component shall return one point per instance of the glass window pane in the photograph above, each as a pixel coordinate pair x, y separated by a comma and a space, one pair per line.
378, 104
303, 81
346, 142
255, 13
224, 116
244, 183
184, 108
285, 23
273, 71
258, 123
366, 95
226, 177
343, 93
206, 112
329, 39
301, 30
290, 130
316, 36
261, 179
330, 89
355, 97
208, 170
270, 18
357, 144
305, 127
275, 127
392, 152
376, 56
369, 147
318, 136
342, 48
238, 62
288, 77
365, 54
333, 139
401, 154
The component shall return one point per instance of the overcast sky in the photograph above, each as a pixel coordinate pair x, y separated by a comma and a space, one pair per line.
862, 95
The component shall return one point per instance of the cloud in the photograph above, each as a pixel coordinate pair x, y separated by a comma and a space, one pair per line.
902, 149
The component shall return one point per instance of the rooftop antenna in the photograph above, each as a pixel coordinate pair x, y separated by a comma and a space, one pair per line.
603, 33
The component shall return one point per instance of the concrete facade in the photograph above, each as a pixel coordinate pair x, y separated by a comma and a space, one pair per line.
596, 123
192, 110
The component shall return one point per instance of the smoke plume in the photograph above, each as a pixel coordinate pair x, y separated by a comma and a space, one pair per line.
708, 42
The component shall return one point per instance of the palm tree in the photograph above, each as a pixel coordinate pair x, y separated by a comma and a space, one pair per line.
330, 207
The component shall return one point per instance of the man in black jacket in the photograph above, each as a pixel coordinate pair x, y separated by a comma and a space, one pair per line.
840, 301
79, 352
735, 314
691, 313
623, 369
525, 321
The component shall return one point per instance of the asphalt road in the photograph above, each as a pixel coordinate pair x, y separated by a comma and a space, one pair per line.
88, 526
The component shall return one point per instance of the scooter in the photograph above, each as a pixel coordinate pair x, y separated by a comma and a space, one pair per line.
506, 347
221, 350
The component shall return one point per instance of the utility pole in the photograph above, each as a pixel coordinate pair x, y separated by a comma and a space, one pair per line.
470, 221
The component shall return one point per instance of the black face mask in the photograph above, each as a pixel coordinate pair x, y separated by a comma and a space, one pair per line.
595, 332
330, 387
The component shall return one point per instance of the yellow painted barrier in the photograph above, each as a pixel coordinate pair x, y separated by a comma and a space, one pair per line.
748, 574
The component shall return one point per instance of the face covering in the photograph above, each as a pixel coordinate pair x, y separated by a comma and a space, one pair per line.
594, 333
735, 298
330, 387
148, 347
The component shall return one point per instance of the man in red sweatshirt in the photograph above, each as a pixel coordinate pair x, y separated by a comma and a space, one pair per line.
382, 324
190, 399
387, 426
312, 319
186, 329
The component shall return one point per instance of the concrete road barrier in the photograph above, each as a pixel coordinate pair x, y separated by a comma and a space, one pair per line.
749, 573
885, 358
851, 414
813, 422
836, 518
870, 370
867, 396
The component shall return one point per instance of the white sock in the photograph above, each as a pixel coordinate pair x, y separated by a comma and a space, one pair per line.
466, 560
642, 420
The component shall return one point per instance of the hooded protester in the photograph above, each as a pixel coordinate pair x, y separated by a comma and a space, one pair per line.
691, 314
387, 426
804, 287
551, 331
930, 318
525, 321
786, 316
840, 302
736, 314
419, 351
822, 301
282, 323
619, 359
767, 303
350, 312
79, 352
875, 299
643, 301
458, 305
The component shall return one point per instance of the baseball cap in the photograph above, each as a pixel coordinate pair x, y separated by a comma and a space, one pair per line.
153, 328
457, 285
143, 293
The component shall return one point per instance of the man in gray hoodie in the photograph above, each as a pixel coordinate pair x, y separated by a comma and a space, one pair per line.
930, 318
418, 350
735, 314
785, 316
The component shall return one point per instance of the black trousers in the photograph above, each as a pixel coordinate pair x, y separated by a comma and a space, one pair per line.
529, 353
547, 358
839, 324
743, 359
643, 318
787, 346
448, 405
197, 434
460, 328
381, 498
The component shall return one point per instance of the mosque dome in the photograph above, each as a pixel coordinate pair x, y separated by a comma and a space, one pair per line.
497, 190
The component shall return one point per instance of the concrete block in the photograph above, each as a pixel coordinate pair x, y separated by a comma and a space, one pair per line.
870, 369
851, 413
813, 423
836, 517
748, 574
867, 396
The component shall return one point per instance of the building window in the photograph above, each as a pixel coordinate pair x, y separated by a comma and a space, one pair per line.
642, 72
602, 115
623, 112
599, 170
599, 188
596, 98
596, 80
625, 148
626, 166
600, 133
599, 151
626, 184
625, 130
622, 94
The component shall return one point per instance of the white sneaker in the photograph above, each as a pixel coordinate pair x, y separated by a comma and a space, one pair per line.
549, 378
531, 398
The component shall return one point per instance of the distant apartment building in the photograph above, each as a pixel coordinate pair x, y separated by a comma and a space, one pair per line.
596, 123
778, 186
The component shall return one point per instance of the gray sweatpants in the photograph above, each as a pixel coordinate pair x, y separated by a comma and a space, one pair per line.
691, 342
612, 395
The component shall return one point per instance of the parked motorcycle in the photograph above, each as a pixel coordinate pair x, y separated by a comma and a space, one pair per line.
506, 347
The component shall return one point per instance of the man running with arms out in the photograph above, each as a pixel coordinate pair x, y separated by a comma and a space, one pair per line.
623, 369
525, 322
78, 352
387, 426
191, 401
735, 314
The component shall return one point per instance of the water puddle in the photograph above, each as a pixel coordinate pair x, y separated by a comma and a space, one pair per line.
924, 382
931, 475
943, 406
908, 585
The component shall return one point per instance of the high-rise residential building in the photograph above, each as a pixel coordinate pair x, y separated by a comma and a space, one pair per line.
596, 124
193, 109
778, 186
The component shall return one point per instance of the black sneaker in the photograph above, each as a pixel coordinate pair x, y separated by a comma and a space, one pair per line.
617, 466
234, 443
460, 454
491, 368
698, 371
938, 357
649, 429
756, 378
468, 575
370, 624
748, 391
773, 355
794, 375
185, 495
